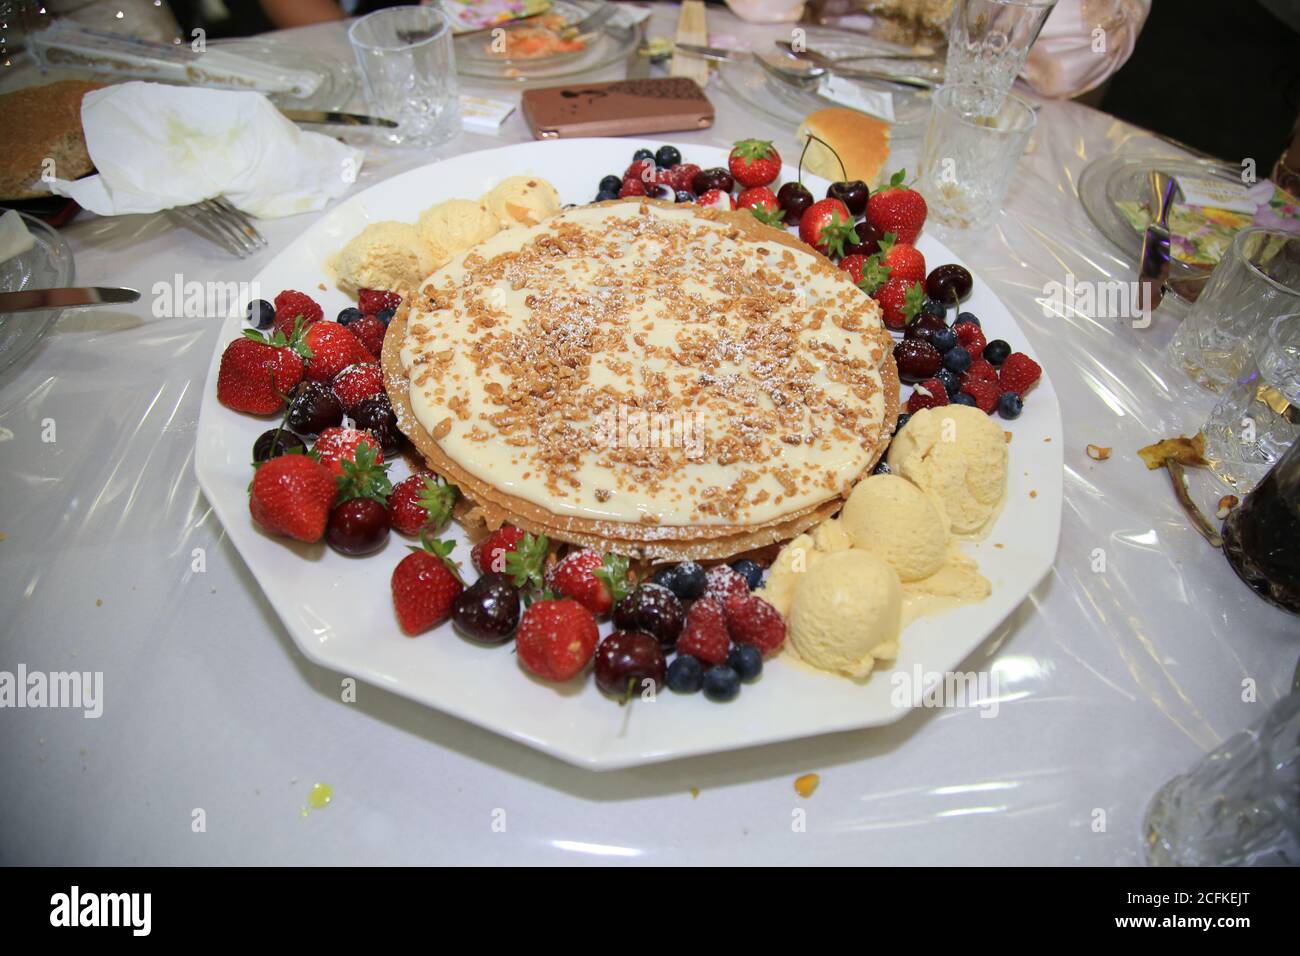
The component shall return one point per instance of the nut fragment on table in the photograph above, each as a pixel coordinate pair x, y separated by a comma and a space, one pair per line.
806, 784
1098, 452
1226, 504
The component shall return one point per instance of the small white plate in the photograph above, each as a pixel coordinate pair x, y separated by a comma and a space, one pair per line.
338, 609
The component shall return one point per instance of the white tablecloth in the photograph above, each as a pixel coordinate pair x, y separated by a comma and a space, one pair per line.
1113, 681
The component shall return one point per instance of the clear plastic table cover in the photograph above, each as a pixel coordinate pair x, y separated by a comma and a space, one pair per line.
1113, 678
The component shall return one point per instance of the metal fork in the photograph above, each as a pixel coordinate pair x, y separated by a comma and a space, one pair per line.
219, 221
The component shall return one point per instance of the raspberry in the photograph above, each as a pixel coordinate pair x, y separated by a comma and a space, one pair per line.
985, 394
1019, 373
290, 305
928, 394
683, 176
752, 620
971, 338
722, 582
638, 170
370, 330
371, 301
980, 370
705, 632
631, 187
357, 382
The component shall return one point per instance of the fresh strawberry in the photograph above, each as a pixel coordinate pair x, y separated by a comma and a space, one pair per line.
716, 199
980, 370
290, 306
751, 620
985, 394
369, 330
292, 495
337, 445
490, 553
556, 639
757, 196
364, 475
425, 584
928, 394
900, 301
754, 162
970, 337
256, 375
596, 581
722, 582
897, 209
332, 348
827, 226
357, 382
1019, 373
874, 274
852, 264
903, 259
704, 635
682, 177
420, 503
525, 563
370, 301
631, 187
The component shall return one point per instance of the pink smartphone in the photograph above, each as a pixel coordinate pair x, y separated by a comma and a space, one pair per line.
618, 108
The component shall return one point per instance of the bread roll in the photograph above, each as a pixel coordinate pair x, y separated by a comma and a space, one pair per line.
861, 141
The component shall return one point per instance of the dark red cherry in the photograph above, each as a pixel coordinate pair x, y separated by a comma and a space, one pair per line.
949, 283
853, 193
917, 360
794, 198
358, 526
626, 660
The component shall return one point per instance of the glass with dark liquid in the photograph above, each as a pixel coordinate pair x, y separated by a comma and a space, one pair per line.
1261, 537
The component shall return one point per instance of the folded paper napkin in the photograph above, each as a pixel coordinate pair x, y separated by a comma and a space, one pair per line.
157, 146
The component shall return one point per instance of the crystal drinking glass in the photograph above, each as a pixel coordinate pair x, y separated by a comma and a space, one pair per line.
988, 41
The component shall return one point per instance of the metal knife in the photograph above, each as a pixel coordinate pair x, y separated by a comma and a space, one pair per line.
849, 73
335, 118
31, 300
1153, 264
715, 53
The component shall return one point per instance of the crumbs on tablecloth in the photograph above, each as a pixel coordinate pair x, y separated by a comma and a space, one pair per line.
805, 785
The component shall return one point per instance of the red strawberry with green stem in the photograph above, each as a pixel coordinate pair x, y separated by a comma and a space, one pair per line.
257, 373
754, 162
337, 445
761, 201
904, 260
525, 564
596, 581
364, 474
292, 495
874, 274
900, 301
898, 209
827, 226
420, 503
425, 584
490, 553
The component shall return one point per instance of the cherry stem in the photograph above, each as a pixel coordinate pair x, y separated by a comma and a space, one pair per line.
843, 172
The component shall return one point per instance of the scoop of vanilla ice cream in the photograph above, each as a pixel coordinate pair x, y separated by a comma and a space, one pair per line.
386, 255
958, 454
847, 615
892, 518
451, 226
786, 572
831, 536
522, 201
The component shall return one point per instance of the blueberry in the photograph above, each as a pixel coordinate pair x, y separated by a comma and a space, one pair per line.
934, 307
641, 154
721, 684
685, 674
997, 351
349, 315
882, 468
605, 195
385, 315
967, 317
260, 313
943, 339
961, 398
668, 156
611, 184
903, 419
956, 359
951, 381
666, 577
751, 572
747, 661
683, 196
690, 581
1010, 405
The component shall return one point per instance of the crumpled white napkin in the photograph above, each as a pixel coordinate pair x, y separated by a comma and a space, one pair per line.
157, 146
